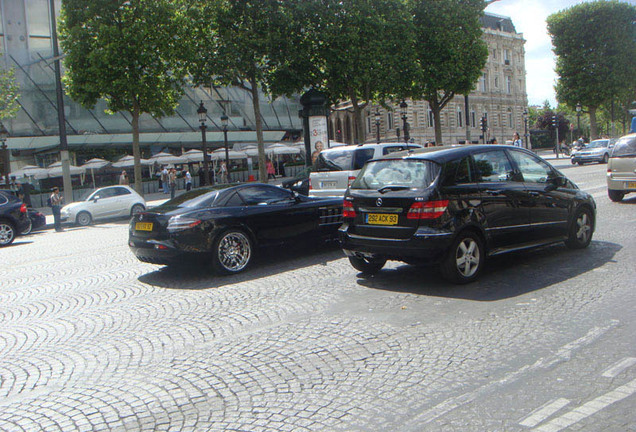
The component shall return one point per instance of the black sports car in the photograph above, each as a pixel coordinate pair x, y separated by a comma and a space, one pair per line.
13, 217
230, 222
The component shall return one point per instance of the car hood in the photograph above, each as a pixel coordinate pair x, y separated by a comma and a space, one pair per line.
73, 206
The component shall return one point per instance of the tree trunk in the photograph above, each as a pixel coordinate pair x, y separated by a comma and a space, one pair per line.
593, 126
437, 120
262, 161
136, 150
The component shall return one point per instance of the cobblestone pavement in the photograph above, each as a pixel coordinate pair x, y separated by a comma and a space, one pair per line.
93, 340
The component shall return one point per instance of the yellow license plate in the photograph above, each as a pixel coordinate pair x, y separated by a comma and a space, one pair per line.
143, 226
631, 185
382, 219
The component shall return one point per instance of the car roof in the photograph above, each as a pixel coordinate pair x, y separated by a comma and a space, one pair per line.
369, 145
443, 154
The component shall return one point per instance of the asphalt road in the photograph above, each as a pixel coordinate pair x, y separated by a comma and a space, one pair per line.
93, 340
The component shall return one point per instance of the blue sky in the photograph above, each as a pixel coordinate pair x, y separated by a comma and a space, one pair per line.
529, 18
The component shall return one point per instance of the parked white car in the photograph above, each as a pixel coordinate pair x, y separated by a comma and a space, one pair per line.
336, 168
104, 203
621, 170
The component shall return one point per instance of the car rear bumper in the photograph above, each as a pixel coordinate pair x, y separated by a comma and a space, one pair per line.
622, 184
425, 244
327, 192
154, 252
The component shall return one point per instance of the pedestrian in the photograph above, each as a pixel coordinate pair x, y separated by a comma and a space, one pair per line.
164, 179
223, 172
123, 178
172, 180
271, 173
516, 140
188, 180
56, 200
24, 193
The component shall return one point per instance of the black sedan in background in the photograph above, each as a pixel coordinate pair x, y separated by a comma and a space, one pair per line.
13, 218
228, 223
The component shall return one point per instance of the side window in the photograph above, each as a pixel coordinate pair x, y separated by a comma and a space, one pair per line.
105, 193
387, 150
234, 201
121, 191
360, 157
533, 169
458, 172
493, 166
263, 195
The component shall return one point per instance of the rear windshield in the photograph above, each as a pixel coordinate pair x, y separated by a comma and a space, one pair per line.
203, 197
625, 147
598, 143
342, 160
412, 173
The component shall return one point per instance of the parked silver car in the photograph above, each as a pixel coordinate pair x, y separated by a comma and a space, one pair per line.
621, 169
596, 151
103, 203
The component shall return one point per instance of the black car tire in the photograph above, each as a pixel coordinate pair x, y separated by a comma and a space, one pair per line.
7, 233
83, 218
368, 266
573, 162
605, 158
580, 234
28, 229
465, 259
232, 252
580, 163
615, 195
137, 208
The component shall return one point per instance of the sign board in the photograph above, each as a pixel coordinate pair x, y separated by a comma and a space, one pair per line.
318, 135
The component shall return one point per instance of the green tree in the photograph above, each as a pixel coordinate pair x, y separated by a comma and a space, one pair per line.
245, 43
361, 51
450, 51
9, 94
123, 51
595, 45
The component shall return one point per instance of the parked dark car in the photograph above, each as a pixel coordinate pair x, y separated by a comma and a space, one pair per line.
13, 217
38, 219
229, 223
456, 206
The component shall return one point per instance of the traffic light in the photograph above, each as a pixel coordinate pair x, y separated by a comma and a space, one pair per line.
483, 124
555, 121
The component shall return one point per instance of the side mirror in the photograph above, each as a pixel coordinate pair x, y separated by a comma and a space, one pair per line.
296, 196
95, 198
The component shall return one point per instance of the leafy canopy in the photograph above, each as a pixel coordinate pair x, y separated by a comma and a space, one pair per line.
9, 94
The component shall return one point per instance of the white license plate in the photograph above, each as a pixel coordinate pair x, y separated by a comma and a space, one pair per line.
329, 184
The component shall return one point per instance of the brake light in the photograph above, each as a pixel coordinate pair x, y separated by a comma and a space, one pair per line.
23, 208
347, 209
350, 180
427, 210
310, 188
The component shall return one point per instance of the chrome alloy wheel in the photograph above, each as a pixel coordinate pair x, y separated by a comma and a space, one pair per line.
234, 251
583, 227
467, 257
7, 233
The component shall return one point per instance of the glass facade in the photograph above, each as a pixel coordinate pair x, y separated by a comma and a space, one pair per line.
25, 42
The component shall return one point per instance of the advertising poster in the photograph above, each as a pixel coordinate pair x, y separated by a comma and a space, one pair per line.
318, 136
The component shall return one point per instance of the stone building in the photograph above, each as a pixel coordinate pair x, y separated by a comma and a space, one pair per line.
500, 94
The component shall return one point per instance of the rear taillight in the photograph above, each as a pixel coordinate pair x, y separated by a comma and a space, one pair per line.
347, 209
350, 180
23, 208
310, 188
427, 210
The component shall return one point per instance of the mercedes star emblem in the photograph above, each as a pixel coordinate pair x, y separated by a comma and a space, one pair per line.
379, 202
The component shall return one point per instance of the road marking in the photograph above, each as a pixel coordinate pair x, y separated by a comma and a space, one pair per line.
544, 412
589, 408
619, 367
415, 423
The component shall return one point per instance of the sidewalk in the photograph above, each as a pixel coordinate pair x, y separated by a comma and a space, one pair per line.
152, 200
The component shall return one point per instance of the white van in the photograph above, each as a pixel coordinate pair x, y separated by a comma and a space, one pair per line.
336, 168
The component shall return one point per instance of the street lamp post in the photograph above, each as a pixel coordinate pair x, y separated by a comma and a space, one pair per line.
405, 127
377, 125
525, 125
202, 112
224, 121
4, 134
578, 118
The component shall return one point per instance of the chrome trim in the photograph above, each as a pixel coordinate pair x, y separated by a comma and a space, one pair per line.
528, 225
381, 210
359, 237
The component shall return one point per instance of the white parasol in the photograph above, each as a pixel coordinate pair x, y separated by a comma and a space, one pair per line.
128, 161
164, 158
31, 171
219, 154
93, 164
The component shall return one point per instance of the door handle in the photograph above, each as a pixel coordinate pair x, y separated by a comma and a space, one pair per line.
534, 193
493, 192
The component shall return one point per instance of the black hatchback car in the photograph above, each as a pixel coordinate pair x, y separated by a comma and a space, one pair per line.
456, 206
227, 224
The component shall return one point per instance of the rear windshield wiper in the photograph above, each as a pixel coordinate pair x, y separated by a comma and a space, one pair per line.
392, 188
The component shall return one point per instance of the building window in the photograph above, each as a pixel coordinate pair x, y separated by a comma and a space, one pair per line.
389, 120
431, 119
38, 25
460, 120
510, 119
509, 84
483, 82
496, 82
506, 56
472, 118
369, 130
